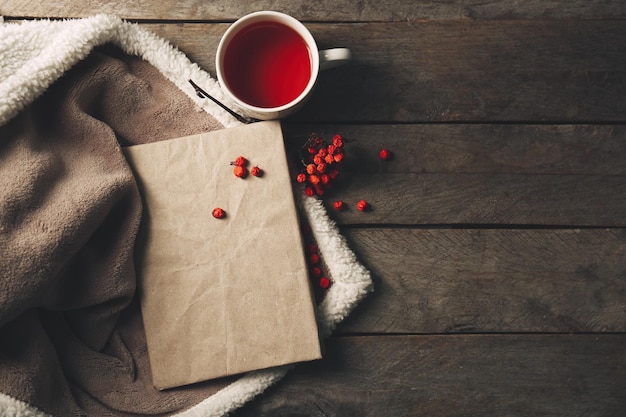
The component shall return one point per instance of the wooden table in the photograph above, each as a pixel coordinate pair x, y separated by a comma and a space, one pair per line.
497, 236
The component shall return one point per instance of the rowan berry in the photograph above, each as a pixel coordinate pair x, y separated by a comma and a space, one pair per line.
314, 179
338, 141
319, 190
321, 168
330, 149
338, 157
324, 283
339, 205
384, 154
324, 179
301, 177
311, 169
314, 259
333, 173
312, 150
316, 271
256, 171
312, 248
218, 213
240, 161
329, 159
240, 171
362, 205
309, 191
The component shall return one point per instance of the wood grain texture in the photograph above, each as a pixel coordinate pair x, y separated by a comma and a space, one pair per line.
431, 71
589, 150
323, 10
455, 280
483, 375
479, 174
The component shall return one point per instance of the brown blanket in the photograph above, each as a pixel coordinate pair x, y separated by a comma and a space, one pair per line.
71, 336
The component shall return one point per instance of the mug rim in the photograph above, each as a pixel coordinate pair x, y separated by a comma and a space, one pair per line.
273, 16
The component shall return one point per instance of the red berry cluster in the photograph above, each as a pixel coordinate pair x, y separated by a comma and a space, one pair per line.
241, 171
321, 159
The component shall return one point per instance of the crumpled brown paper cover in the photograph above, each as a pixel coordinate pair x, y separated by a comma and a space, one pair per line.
221, 296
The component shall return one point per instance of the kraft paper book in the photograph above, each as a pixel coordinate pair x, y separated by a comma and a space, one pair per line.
221, 296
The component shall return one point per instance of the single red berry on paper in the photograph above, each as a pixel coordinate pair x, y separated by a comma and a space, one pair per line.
362, 205
324, 283
240, 171
240, 161
339, 205
256, 171
384, 154
218, 213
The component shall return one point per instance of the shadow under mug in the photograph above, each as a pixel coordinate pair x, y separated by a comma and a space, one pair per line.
235, 64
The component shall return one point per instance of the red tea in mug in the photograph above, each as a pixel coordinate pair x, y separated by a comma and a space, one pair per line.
267, 64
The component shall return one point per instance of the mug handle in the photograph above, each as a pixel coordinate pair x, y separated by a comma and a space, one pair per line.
331, 58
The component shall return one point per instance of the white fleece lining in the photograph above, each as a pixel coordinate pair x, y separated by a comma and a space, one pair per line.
34, 54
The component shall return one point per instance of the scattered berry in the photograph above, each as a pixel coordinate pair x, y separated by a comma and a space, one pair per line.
316, 272
362, 205
384, 154
240, 171
240, 161
324, 283
314, 258
339, 205
314, 179
218, 213
338, 141
256, 171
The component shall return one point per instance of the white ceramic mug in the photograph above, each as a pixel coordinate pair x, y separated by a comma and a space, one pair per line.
267, 63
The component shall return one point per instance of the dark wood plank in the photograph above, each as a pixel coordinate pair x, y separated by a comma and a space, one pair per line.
431, 71
475, 148
486, 375
479, 174
491, 199
435, 71
454, 280
344, 10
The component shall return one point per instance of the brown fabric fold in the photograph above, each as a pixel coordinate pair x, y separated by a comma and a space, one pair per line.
71, 335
